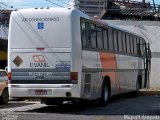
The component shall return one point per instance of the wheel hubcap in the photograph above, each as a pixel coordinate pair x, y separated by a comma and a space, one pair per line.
105, 93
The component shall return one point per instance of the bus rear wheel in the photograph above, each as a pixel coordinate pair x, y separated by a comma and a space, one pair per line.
138, 86
105, 94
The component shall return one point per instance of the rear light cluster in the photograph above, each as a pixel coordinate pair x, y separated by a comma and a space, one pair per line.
74, 77
9, 76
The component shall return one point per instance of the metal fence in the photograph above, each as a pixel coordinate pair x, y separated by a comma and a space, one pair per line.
127, 9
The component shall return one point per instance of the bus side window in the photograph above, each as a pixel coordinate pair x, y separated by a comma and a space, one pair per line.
135, 45
99, 38
83, 34
93, 36
120, 41
110, 39
124, 43
128, 44
115, 40
144, 46
142, 42
131, 44
105, 39
88, 35
138, 47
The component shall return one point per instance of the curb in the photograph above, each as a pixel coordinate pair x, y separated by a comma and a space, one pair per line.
149, 92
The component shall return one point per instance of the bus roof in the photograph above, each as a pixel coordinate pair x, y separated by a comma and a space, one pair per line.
71, 10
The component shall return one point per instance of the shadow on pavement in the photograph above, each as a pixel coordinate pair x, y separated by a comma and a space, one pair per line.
14, 105
125, 104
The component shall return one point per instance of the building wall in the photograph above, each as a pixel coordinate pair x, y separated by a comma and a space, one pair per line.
3, 32
92, 7
4, 23
151, 32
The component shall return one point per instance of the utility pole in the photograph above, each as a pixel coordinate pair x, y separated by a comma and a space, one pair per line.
154, 6
105, 4
143, 7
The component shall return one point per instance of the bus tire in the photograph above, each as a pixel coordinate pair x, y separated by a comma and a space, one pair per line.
105, 94
138, 86
4, 98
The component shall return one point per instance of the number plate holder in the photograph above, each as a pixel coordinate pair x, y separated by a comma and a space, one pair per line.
40, 92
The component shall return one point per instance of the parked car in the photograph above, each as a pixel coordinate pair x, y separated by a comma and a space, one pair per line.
4, 96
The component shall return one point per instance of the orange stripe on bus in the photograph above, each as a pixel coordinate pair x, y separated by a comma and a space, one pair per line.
108, 61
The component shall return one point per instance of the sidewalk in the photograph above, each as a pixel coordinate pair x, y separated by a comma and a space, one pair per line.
151, 91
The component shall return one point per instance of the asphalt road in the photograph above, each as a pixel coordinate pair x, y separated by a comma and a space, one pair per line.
122, 107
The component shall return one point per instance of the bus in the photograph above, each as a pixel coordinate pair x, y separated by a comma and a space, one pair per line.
62, 54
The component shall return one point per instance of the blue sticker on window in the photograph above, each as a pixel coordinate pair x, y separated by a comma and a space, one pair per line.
40, 25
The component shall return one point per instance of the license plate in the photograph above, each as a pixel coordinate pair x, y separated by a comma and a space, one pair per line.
41, 92
40, 77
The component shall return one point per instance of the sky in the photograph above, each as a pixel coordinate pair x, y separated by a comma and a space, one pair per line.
34, 3
43, 3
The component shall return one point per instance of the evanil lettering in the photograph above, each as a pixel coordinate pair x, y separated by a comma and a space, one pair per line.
39, 65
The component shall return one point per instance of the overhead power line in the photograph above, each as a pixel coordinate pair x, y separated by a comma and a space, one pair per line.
51, 1
65, 3
55, 3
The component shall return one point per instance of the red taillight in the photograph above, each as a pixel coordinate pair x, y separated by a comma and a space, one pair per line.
74, 77
40, 48
9, 76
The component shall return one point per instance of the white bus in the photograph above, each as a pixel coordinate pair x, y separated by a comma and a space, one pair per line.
61, 54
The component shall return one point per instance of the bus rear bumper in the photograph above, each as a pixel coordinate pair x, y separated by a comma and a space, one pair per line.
20, 91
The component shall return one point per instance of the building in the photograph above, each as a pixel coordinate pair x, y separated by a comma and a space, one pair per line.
92, 7
4, 24
136, 10
120, 9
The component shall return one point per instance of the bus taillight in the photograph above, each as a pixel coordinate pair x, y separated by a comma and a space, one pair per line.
74, 77
9, 76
